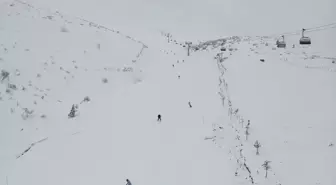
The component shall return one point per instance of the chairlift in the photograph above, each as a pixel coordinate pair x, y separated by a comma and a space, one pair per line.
281, 43
304, 40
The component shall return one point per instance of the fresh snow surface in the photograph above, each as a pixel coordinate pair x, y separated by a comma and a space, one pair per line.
56, 59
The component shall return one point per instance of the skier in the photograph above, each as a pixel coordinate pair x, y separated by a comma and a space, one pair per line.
128, 182
159, 118
189, 104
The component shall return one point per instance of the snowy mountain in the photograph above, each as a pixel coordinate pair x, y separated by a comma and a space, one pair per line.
80, 96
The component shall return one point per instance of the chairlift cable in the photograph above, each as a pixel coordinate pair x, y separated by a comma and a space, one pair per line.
312, 29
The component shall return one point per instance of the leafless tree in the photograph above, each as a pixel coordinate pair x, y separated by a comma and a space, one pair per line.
257, 146
266, 167
247, 133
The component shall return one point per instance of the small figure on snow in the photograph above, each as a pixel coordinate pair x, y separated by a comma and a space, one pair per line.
72, 113
159, 118
189, 104
179, 76
128, 182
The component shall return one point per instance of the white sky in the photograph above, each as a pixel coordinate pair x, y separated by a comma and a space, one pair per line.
192, 19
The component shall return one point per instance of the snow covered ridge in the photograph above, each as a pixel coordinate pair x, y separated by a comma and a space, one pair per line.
22, 48
44, 56
51, 66
69, 19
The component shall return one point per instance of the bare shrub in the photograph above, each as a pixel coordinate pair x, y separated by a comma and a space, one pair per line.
104, 80
257, 145
27, 113
266, 167
73, 111
64, 29
4, 75
86, 99
12, 86
9, 91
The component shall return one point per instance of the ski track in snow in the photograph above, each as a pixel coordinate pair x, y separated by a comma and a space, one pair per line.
120, 84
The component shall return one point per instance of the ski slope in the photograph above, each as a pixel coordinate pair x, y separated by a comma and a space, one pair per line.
57, 59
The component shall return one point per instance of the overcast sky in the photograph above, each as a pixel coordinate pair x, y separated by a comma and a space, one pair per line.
202, 19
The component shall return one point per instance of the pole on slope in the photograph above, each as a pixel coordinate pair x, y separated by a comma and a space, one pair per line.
189, 44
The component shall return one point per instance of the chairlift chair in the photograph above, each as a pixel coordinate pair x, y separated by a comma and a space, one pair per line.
304, 40
282, 43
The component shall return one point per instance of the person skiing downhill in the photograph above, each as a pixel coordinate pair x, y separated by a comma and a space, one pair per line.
159, 118
128, 182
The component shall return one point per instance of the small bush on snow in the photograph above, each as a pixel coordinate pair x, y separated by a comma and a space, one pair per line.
4, 75
247, 133
64, 29
86, 99
127, 69
12, 86
9, 91
27, 113
266, 167
104, 80
257, 145
73, 111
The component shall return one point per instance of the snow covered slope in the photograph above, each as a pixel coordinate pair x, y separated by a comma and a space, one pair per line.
56, 61
122, 83
290, 108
